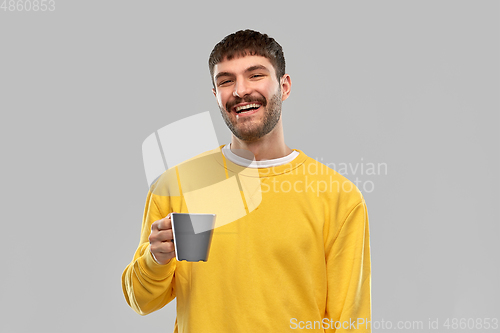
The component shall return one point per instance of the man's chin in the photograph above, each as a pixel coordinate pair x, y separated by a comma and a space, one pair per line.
248, 136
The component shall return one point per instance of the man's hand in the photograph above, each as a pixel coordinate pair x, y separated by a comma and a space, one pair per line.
162, 246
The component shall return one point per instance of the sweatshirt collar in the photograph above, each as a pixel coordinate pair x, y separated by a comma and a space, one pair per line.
266, 171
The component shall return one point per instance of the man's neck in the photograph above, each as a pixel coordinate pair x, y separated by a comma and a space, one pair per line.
268, 147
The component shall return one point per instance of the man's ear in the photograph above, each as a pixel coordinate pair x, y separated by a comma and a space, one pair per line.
286, 85
215, 94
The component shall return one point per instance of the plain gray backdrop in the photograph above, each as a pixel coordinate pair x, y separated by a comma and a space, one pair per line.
412, 85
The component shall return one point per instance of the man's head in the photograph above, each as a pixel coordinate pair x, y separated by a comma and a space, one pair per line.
248, 42
248, 75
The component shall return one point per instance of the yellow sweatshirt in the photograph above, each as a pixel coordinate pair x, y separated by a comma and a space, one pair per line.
296, 259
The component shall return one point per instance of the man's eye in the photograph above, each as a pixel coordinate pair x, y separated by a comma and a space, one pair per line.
221, 83
257, 75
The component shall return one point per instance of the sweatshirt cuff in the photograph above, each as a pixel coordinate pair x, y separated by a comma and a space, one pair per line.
154, 269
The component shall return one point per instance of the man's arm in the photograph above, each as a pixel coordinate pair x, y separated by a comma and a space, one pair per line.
349, 273
147, 285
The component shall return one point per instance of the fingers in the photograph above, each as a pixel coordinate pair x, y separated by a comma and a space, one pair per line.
163, 253
163, 224
160, 240
162, 248
165, 235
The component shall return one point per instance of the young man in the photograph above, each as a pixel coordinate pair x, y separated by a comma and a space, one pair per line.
299, 259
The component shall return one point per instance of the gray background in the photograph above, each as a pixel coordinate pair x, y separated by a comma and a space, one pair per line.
413, 84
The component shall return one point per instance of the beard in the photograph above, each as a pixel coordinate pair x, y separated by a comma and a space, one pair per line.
247, 129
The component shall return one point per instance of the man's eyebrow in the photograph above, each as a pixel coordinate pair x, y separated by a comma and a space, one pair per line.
249, 69
218, 75
256, 67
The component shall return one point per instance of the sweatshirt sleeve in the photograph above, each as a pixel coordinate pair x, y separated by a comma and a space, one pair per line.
147, 285
349, 273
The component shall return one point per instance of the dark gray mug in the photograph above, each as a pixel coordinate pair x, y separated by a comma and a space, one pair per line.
189, 245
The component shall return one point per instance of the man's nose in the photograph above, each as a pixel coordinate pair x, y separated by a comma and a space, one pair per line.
240, 89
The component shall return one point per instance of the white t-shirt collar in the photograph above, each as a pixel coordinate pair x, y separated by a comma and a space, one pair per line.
226, 150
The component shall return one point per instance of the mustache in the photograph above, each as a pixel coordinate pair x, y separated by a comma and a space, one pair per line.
246, 99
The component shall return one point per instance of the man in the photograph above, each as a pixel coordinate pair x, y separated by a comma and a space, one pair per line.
299, 260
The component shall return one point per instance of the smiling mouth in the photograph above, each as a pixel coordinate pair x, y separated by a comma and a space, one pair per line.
247, 108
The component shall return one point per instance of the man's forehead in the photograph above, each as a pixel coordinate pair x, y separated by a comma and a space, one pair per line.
242, 63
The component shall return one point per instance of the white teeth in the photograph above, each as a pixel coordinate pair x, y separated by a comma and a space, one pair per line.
248, 106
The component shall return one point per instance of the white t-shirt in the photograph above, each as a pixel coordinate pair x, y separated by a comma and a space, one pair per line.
226, 150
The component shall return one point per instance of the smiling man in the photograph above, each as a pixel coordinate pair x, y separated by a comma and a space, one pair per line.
249, 93
298, 261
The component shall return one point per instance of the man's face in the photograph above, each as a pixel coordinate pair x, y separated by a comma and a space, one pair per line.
249, 96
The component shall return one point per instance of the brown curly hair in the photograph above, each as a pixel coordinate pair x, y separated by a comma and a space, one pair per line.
248, 42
